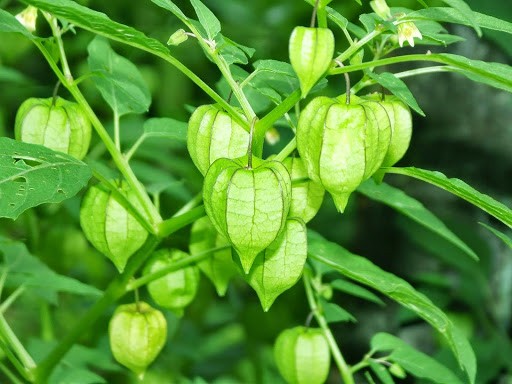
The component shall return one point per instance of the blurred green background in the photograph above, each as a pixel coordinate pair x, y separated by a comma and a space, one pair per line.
467, 134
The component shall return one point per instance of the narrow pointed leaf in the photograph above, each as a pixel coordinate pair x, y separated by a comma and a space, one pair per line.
363, 271
460, 189
207, 19
500, 235
414, 210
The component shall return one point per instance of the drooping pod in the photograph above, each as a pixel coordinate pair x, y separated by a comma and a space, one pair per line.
401, 127
176, 289
341, 144
307, 195
302, 355
280, 265
57, 124
219, 267
109, 226
248, 205
213, 134
137, 334
311, 51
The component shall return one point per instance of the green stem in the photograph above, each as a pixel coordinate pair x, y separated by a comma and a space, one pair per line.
15, 362
194, 202
117, 157
10, 375
357, 46
287, 150
344, 369
12, 341
57, 33
12, 297
174, 267
171, 225
117, 139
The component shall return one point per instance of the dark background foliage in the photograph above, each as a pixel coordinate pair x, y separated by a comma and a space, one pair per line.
467, 134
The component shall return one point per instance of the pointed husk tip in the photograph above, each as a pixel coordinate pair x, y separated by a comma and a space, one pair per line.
340, 201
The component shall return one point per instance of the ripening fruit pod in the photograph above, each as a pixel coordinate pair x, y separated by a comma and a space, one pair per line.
401, 127
307, 195
280, 265
57, 124
137, 334
302, 355
219, 267
248, 205
212, 134
341, 144
176, 289
109, 226
311, 51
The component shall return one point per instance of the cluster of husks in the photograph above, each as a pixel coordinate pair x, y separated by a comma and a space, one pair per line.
343, 144
253, 209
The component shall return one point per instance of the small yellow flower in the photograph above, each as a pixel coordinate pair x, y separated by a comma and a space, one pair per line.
28, 18
408, 31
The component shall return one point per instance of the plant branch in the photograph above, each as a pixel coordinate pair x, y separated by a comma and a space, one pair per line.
287, 150
344, 369
12, 341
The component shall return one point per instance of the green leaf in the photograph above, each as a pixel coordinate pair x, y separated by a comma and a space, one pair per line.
170, 6
413, 361
337, 18
207, 19
413, 209
460, 189
355, 290
333, 313
13, 76
466, 13
233, 52
166, 127
100, 24
25, 269
451, 15
398, 88
118, 79
363, 271
31, 175
500, 235
9, 23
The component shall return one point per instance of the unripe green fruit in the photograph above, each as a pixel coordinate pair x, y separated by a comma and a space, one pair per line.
137, 334
248, 206
109, 226
176, 289
219, 267
57, 124
307, 195
311, 51
302, 355
280, 265
401, 127
213, 134
342, 144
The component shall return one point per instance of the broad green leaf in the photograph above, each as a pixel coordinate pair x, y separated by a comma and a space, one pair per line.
31, 175
10, 75
333, 313
219, 267
25, 269
100, 24
460, 189
9, 23
337, 18
465, 12
233, 52
280, 265
277, 75
166, 127
413, 361
363, 271
500, 235
413, 209
355, 290
398, 88
450, 15
207, 19
118, 79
